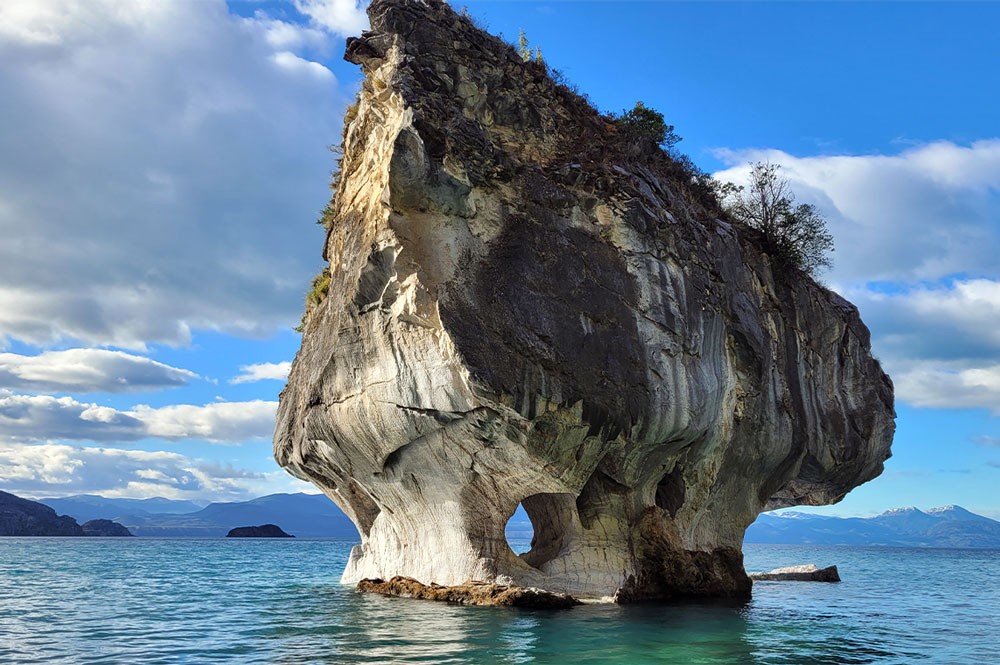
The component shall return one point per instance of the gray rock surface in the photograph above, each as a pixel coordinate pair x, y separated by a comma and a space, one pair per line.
806, 573
525, 308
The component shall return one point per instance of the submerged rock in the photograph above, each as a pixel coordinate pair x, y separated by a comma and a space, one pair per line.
470, 593
524, 307
105, 528
22, 517
806, 573
262, 531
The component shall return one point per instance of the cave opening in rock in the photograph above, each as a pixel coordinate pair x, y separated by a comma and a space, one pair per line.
670, 491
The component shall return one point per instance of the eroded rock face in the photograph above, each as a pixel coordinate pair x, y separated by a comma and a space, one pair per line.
525, 309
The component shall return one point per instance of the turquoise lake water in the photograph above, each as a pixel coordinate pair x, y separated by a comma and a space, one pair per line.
137, 601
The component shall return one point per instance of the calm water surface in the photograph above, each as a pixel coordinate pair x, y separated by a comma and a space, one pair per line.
137, 601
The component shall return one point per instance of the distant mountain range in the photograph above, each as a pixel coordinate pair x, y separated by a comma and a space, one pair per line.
84, 507
302, 515
951, 526
316, 516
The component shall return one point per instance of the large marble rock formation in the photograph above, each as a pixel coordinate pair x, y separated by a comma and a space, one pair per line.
526, 307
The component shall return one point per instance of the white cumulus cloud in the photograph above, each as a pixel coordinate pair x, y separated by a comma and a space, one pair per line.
219, 422
27, 418
937, 385
939, 343
341, 17
161, 167
284, 35
294, 63
48, 470
951, 321
88, 371
262, 371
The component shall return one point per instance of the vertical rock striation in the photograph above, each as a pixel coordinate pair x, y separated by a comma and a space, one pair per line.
523, 308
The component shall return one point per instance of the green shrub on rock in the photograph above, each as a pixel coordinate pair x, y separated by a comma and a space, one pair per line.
643, 122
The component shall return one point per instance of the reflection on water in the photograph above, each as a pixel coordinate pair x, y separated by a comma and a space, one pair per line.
132, 601
374, 629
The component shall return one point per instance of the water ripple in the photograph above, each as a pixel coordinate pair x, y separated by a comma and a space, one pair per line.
127, 601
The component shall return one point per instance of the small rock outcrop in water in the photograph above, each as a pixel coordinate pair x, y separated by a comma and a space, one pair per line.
104, 528
523, 307
470, 593
806, 573
262, 531
22, 517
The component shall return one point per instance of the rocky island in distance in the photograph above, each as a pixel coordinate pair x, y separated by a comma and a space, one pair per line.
105, 528
262, 531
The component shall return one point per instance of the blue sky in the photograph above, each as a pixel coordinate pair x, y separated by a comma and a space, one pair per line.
162, 166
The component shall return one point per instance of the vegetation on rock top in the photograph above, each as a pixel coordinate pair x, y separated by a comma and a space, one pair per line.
794, 236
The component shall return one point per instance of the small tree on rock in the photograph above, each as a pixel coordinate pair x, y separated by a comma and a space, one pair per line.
645, 122
795, 235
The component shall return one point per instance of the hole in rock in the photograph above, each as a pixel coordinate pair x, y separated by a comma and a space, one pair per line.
519, 531
546, 519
